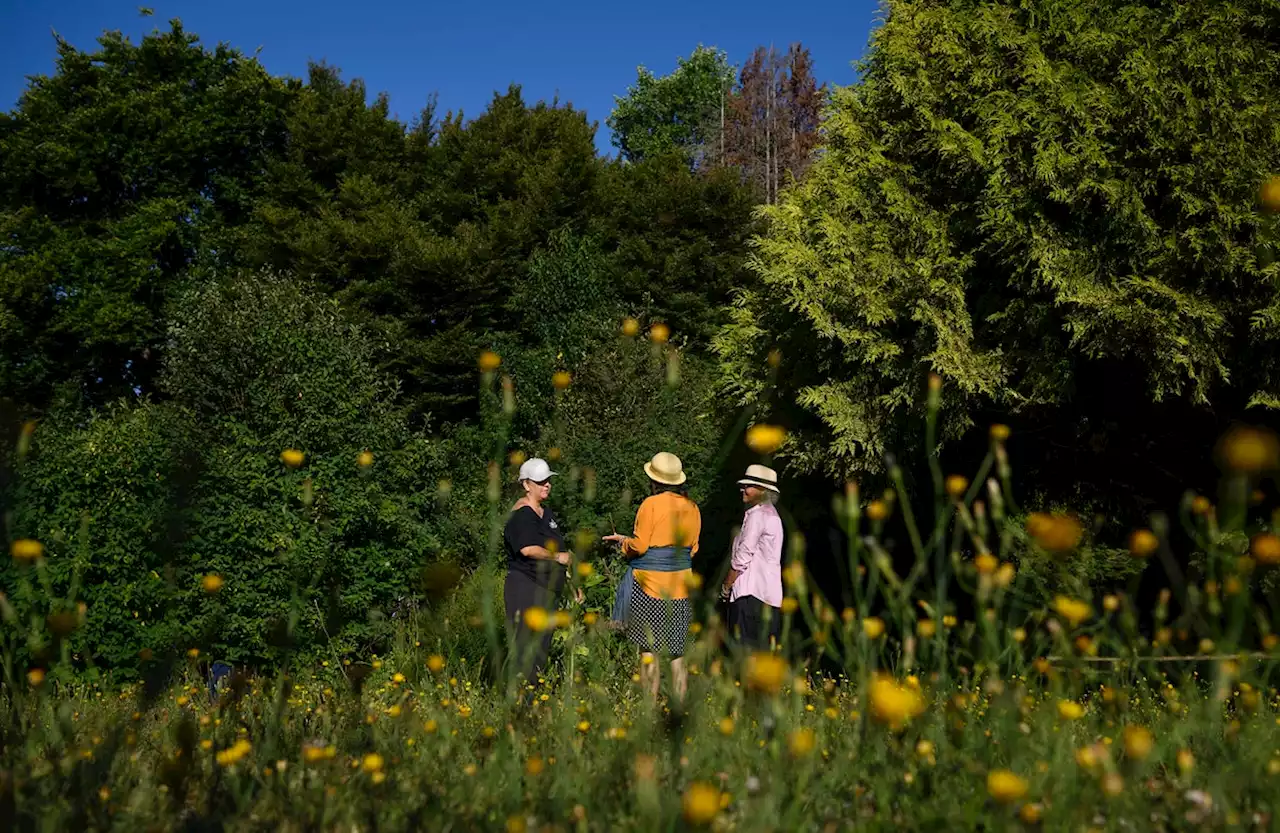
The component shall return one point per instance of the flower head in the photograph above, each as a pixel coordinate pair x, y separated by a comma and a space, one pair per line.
873, 627
292, 457
1265, 548
1005, 786
1249, 450
561, 380
1070, 710
766, 672
659, 333
536, 619
801, 742
893, 703
700, 803
1073, 610
1142, 543
765, 439
1138, 742
364, 459
1269, 194
212, 583
489, 361
26, 550
235, 753
1056, 533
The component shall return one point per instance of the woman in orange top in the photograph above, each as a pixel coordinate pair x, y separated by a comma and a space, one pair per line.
653, 598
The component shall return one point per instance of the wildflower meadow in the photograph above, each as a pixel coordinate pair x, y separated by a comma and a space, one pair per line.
882, 708
984, 296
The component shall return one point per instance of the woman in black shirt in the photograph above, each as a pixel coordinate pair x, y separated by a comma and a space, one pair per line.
536, 561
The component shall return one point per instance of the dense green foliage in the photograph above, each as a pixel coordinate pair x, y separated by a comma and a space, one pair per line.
1054, 207
138, 503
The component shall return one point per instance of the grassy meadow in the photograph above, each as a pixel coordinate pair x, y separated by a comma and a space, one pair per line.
886, 707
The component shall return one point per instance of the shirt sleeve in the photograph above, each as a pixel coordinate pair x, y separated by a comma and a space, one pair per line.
522, 530
639, 544
697, 528
748, 543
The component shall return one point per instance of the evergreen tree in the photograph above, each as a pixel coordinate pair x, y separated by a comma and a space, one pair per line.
117, 173
1054, 208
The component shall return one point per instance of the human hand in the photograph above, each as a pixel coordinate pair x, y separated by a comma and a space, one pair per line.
563, 558
615, 538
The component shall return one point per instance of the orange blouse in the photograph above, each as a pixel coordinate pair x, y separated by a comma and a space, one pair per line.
666, 519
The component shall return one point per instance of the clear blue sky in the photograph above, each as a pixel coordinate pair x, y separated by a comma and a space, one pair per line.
586, 52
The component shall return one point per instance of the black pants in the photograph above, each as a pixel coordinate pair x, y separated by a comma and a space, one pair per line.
747, 622
529, 648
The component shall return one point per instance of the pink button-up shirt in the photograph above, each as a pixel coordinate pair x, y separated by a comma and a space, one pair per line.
757, 555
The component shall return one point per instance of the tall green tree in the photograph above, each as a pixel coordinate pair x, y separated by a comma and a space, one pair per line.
116, 173
1053, 207
678, 113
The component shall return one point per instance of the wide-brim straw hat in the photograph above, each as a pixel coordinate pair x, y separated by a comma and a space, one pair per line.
762, 476
665, 468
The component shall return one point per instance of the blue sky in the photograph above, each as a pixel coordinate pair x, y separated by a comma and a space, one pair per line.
586, 52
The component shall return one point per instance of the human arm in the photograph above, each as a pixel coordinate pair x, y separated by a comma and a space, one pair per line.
543, 554
637, 544
745, 548
525, 535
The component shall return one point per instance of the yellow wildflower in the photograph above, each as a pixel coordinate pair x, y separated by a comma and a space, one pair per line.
765, 439
766, 672
873, 627
955, 485
235, 753
1142, 543
1056, 533
1073, 610
1265, 548
1249, 450
630, 327
561, 380
894, 704
1138, 742
292, 457
700, 803
1006, 787
536, 619
1070, 710
211, 583
26, 550
489, 361
801, 742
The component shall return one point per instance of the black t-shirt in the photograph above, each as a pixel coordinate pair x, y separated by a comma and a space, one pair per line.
525, 529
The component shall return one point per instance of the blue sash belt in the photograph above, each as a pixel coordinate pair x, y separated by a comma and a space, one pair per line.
655, 560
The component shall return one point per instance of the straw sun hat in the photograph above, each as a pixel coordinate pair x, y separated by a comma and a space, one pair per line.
665, 468
762, 476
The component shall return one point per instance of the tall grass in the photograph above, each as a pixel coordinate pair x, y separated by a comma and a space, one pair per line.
886, 705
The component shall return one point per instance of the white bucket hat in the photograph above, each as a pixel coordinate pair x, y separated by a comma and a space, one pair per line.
535, 469
762, 476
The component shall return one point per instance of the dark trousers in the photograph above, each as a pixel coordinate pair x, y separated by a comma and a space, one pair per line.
747, 616
529, 648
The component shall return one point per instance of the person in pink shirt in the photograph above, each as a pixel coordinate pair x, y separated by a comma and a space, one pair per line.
754, 584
